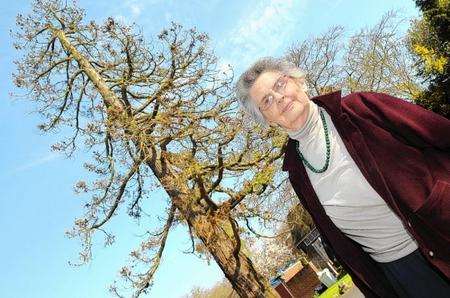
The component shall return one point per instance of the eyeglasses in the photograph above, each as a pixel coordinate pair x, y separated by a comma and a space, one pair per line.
278, 87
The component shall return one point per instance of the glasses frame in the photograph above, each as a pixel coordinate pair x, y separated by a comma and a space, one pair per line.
276, 88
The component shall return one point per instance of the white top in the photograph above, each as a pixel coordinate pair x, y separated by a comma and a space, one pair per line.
348, 199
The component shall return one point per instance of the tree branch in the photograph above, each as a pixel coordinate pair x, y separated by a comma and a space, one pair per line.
145, 282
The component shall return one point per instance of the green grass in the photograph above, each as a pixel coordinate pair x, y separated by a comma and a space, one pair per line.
333, 290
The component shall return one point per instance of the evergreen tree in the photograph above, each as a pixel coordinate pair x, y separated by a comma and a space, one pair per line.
429, 41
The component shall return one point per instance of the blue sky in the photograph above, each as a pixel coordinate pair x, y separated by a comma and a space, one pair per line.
37, 202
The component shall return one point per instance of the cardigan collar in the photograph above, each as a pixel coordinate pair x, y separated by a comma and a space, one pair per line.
331, 102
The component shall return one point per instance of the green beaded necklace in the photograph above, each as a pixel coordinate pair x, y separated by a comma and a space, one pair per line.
327, 140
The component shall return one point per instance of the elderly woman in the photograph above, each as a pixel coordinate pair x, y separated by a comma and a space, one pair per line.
372, 170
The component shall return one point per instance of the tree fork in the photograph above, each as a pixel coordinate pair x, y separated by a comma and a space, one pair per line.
220, 237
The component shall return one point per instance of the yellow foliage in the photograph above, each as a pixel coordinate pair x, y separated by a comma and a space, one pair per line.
278, 140
443, 3
264, 176
429, 57
410, 88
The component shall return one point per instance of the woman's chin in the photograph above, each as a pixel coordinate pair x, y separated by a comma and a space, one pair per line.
295, 112
297, 119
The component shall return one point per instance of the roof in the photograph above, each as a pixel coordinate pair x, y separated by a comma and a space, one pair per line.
292, 271
287, 273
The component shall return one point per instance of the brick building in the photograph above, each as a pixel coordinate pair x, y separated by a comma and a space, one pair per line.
296, 281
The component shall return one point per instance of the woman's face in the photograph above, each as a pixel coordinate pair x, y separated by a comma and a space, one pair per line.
280, 100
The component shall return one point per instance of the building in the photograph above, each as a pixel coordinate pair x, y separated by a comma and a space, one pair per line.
297, 280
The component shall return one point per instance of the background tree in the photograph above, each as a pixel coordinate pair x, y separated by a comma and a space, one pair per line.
271, 256
220, 289
272, 253
374, 59
318, 57
429, 41
153, 114
299, 223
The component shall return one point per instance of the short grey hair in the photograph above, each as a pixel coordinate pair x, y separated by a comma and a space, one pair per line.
249, 77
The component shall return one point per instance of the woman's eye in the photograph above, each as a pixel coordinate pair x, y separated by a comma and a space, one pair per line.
280, 84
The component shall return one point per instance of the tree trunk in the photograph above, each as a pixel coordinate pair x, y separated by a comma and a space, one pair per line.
221, 238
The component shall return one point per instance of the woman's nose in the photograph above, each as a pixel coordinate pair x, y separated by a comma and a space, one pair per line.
279, 97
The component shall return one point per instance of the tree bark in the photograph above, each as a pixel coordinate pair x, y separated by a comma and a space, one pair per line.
220, 236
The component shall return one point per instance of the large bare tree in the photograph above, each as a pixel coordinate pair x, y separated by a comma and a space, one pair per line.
159, 110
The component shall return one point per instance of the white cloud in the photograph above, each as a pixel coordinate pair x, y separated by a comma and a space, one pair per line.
136, 9
263, 31
37, 162
131, 10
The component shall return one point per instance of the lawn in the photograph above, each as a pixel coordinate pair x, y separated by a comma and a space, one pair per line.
333, 290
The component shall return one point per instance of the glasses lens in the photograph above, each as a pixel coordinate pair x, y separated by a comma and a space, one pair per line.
267, 102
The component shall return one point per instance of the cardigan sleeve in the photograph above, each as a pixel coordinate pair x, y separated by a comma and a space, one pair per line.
416, 125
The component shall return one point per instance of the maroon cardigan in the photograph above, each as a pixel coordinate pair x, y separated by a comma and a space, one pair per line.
403, 151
